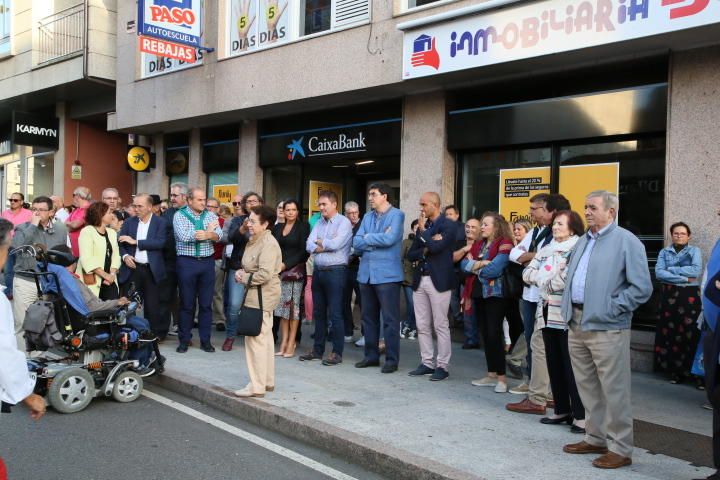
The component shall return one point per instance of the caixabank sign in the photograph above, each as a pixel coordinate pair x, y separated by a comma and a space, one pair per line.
35, 130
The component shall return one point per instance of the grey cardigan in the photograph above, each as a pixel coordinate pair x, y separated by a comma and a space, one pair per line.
618, 280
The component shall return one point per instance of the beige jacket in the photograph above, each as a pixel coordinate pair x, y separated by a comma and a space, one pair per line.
263, 258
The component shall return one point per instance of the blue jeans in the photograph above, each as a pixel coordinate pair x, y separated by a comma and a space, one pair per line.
142, 353
385, 298
471, 328
352, 285
410, 322
235, 292
328, 289
196, 281
527, 311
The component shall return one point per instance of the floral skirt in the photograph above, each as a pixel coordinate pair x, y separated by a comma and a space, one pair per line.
677, 335
290, 293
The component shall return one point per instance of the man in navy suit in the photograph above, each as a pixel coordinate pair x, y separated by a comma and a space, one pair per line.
433, 281
141, 240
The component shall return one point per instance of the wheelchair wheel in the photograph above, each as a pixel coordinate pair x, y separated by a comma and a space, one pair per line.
71, 390
128, 387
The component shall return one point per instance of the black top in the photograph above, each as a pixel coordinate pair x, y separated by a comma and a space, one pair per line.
239, 242
292, 245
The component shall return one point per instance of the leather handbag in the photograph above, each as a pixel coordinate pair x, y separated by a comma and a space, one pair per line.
89, 278
512, 282
294, 274
250, 319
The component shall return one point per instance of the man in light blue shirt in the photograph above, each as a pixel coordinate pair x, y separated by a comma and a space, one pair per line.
329, 241
378, 243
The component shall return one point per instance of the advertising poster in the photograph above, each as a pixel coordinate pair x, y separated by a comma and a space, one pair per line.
176, 21
317, 187
225, 193
254, 24
517, 185
576, 181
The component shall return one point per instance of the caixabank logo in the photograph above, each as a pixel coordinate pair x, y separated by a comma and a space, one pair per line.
295, 147
425, 53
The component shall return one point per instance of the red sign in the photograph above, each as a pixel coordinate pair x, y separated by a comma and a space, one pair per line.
162, 48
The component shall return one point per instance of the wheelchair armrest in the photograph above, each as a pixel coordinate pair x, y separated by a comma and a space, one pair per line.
102, 314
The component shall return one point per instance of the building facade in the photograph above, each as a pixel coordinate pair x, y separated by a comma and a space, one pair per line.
57, 85
483, 102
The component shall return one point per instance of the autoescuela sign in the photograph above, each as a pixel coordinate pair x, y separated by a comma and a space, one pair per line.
35, 130
175, 21
545, 27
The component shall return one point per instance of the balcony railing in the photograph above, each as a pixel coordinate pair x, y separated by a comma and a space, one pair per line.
61, 34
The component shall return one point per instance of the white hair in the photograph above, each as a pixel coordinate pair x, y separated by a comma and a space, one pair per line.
609, 199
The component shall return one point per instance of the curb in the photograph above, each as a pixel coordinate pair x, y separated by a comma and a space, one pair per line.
369, 453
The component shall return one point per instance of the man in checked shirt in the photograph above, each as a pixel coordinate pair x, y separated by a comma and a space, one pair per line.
196, 230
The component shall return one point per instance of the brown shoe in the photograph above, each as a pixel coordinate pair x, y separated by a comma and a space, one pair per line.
270, 388
227, 344
583, 447
612, 460
526, 406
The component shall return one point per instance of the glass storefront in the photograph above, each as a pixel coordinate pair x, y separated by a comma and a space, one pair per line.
28, 170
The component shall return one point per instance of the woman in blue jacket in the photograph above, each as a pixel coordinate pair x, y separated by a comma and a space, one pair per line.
678, 269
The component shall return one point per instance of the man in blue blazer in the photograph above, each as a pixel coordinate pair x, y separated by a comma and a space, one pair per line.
433, 281
142, 239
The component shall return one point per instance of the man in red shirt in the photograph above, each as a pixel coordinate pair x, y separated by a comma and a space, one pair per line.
76, 221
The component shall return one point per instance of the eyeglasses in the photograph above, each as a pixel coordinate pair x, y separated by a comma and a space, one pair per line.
173, 195
213, 206
41, 210
13, 200
236, 204
374, 194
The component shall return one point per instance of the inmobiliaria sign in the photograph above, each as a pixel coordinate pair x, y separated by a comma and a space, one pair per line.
543, 28
170, 28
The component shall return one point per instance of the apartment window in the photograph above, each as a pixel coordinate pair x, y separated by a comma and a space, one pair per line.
317, 15
5, 21
420, 3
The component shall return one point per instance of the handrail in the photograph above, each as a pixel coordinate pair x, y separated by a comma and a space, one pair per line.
61, 34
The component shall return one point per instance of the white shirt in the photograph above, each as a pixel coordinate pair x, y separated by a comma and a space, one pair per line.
142, 233
15, 382
62, 215
531, 293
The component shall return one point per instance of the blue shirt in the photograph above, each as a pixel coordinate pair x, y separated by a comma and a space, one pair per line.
185, 243
677, 268
336, 236
378, 243
578, 281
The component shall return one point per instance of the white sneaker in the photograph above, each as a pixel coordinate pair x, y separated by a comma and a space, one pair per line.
360, 342
348, 339
521, 389
173, 331
501, 387
485, 382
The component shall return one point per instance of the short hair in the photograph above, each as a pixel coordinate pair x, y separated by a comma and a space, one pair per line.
244, 199
540, 197
680, 224
193, 190
22, 197
148, 197
42, 199
557, 202
110, 189
95, 212
265, 214
452, 207
213, 199
413, 223
183, 187
224, 210
575, 223
351, 204
6, 228
610, 200
82, 192
291, 201
434, 196
329, 194
383, 188
281, 203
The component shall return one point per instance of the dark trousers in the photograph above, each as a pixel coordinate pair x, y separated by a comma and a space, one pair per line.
711, 349
196, 280
376, 299
528, 317
328, 288
490, 314
515, 321
350, 287
562, 379
168, 298
145, 283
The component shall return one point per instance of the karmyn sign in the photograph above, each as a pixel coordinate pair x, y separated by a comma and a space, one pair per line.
35, 130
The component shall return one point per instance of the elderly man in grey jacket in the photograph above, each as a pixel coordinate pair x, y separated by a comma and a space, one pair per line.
607, 280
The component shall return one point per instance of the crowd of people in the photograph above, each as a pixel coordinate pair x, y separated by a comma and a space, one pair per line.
550, 297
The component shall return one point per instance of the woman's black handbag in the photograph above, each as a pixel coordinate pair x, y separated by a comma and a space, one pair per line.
512, 286
250, 319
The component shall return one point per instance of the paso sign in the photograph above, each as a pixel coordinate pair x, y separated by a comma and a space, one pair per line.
35, 130
175, 21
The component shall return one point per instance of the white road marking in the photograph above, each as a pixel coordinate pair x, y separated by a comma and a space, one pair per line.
261, 442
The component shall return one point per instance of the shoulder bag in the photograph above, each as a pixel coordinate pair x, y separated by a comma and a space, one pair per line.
294, 274
250, 319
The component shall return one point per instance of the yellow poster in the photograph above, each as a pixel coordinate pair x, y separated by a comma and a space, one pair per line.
225, 193
317, 187
576, 181
517, 185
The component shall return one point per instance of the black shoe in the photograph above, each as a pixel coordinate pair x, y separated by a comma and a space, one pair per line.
220, 327
576, 429
311, 355
513, 371
389, 368
421, 370
207, 347
366, 363
196, 325
332, 360
439, 374
182, 348
557, 421
470, 346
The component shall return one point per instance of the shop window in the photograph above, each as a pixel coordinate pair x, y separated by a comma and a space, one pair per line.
223, 186
282, 183
5, 22
40, 172
13, 179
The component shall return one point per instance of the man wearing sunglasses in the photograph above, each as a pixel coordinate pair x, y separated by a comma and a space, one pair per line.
17, 213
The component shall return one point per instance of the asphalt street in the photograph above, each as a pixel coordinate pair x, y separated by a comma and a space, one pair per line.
164, 436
